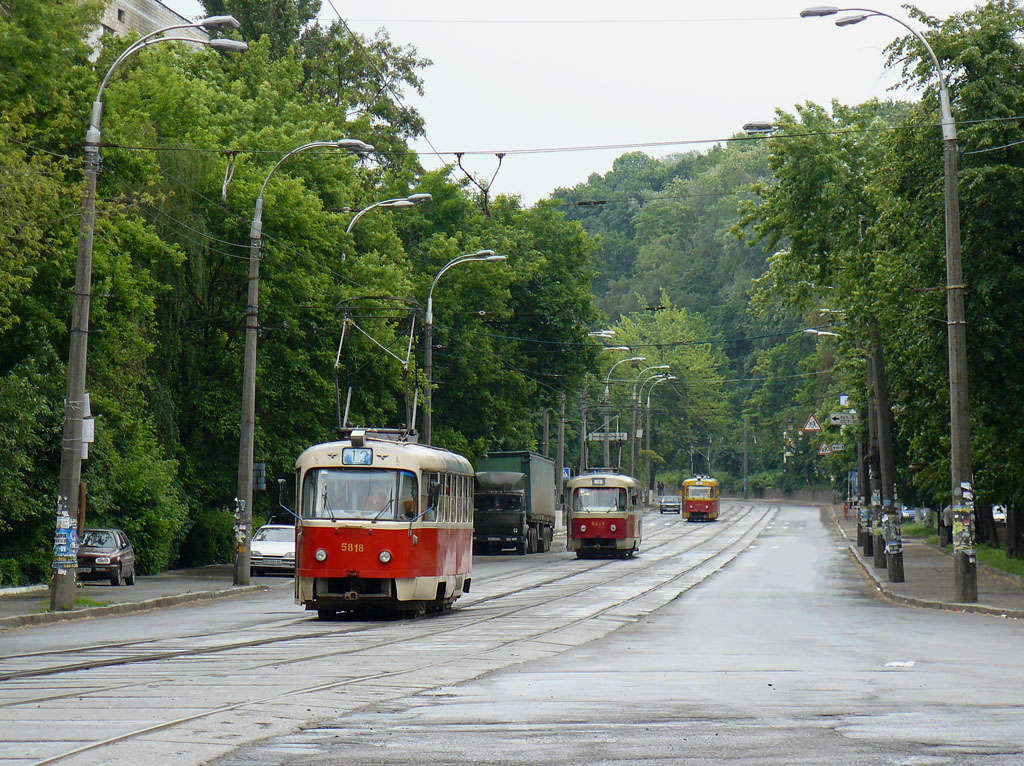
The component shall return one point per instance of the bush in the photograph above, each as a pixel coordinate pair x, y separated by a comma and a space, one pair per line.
209, 539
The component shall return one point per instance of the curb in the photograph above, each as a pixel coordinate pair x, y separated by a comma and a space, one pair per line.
127, 607
890, 595
897, 598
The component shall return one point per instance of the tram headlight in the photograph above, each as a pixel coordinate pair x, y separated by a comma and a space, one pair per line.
384, 557
612, 527
320, 554
583, 527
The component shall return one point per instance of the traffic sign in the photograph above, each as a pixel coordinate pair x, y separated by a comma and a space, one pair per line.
811, 426
843, 419
824, 449
838, 447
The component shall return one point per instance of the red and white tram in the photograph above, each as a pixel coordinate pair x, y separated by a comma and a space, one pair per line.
700, 498
382, 524
605, 516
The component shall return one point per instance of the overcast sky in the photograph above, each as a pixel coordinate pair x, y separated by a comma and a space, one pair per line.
554, 78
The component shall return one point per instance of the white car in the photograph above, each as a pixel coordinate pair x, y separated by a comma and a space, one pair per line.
273, 549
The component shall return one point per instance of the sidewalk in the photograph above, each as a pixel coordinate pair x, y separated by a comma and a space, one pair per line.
928, 574
20, 607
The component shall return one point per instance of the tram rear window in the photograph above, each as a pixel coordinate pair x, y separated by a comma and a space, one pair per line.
359, 493
599, 499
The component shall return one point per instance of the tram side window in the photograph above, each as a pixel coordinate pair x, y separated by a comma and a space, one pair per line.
407, 493
430, 495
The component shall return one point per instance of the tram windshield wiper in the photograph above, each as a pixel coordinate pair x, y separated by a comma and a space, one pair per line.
387, 506
326, 505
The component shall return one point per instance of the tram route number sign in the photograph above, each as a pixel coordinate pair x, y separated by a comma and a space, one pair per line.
843, 419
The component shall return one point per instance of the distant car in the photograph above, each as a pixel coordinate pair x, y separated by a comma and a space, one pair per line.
670, 504
999, 514
908, 514
106, 554
273, 549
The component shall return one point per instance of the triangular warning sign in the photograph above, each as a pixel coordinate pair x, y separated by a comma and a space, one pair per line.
811, 426
824, 450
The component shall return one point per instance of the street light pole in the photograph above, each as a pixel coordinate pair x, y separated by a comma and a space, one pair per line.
65, 554
428, 352
634, 406
650, 473
965, 568
608, 404
243, 499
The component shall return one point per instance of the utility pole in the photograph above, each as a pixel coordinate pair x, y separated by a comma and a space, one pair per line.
746, 475
546, 432
583, 431
560, 459
877, 540
890, 514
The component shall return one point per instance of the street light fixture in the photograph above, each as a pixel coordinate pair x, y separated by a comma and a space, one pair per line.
398, 202
607, 405
243, 500
62, 591
814, 331
647, 434
634, 405
486, 256
965, 568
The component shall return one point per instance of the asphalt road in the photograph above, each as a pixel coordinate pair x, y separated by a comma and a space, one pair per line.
751, 640
784, 657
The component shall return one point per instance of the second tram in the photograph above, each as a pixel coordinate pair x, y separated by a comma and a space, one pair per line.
383, 524
700, 498
605, 516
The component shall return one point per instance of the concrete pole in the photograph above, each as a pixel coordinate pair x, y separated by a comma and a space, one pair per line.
746, 474
62, 591
965, 567
583, 431
890, 514
546, 440
428, 368
560, 454
243, 500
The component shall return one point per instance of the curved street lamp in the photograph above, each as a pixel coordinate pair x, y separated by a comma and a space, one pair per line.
607, 405
243, 500
965, 568
633, 408
486, 256
62, 590
647, 434
398, 202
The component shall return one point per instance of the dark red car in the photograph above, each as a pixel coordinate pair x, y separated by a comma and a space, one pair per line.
106, 554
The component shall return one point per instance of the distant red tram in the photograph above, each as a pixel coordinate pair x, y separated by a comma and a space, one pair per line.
700, 498
383, 524
605, 517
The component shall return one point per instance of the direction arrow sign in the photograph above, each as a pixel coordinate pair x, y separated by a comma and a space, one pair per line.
811, 426
843, 419
824, 450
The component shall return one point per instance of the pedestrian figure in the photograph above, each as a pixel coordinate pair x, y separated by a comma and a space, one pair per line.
946, 526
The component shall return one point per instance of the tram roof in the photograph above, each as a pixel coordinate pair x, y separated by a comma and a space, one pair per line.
606, 478
428, 457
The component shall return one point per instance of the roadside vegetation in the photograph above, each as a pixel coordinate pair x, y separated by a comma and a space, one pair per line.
711, 265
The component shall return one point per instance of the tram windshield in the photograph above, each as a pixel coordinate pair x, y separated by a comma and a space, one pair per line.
359, 493
699, 493
600, 499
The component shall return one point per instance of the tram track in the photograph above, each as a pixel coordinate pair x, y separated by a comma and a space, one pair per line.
567, 584
566, 569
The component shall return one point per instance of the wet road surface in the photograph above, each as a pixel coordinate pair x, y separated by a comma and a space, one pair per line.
783, 657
